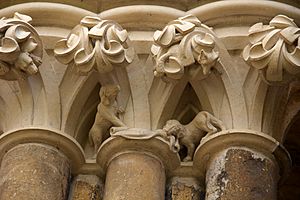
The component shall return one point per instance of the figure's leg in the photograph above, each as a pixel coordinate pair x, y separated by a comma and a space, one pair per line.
97, 140
190, 152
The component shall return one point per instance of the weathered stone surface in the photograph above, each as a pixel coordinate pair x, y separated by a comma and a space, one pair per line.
239, 173
184, 189
135, 176
34, 172
86, 187
57, 98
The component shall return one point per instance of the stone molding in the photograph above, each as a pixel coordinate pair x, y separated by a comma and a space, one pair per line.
254, 140
211, 14
274, 49
65, 143
181, 43
95, 44
21, 48
155, 147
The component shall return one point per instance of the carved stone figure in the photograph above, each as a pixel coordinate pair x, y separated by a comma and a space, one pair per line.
95, 44
21, 47
107, 115
274, 49
181, 43
190, 135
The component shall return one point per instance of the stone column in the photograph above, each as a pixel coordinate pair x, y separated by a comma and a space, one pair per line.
184, 188
134, 175
35, 164
86, 187
34, 171
136, 168
241, 165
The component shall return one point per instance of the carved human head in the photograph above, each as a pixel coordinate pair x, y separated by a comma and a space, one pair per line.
109, 93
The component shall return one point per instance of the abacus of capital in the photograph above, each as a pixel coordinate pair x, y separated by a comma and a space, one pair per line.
147, 102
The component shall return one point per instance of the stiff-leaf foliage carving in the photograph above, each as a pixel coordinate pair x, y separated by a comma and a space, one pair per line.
21, 48
95, 44
275, 48
180, 44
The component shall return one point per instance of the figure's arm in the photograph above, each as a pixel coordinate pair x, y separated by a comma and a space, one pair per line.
113, 119
117, 122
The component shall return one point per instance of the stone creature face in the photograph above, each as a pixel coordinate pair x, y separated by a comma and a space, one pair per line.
175, 128
26, 64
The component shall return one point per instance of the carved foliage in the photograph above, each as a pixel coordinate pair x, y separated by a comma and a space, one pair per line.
274, 48
180, 44
95, 43
21, 48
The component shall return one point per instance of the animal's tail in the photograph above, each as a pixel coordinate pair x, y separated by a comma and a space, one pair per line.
217, 123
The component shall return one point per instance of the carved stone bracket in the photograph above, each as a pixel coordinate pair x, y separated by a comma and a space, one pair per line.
274, 48
21, 48
182, 43
95, 43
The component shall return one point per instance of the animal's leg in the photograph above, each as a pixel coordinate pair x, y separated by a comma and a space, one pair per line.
190, 152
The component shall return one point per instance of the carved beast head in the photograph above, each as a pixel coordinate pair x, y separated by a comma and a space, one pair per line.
175, 128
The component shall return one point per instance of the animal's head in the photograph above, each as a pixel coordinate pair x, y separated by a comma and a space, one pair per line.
175, 128
109, 93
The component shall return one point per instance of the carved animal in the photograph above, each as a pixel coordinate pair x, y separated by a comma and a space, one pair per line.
190, 135
106, 117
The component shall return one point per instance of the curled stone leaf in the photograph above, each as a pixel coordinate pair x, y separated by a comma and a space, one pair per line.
95, 44
21, 47
274, 49
180, 44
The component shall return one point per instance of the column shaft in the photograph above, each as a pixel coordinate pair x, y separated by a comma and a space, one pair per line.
241, 173
135, 176
86, 187
33, 172
187, 188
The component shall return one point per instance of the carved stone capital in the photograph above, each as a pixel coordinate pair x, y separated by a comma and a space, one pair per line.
95, 44
274, 49
64, 143
120, 144
260, 142
181, 43
21, 48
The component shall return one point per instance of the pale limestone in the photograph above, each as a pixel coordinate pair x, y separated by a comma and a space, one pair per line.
57, 105
274, 49
21, 47
106, 117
